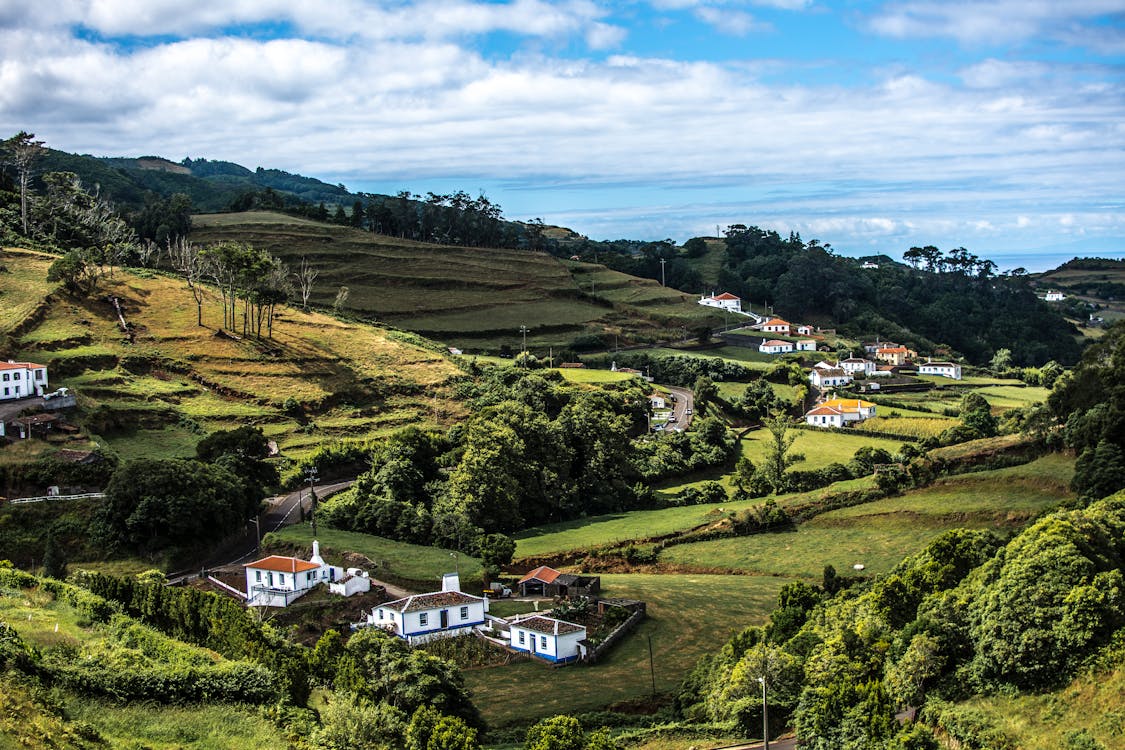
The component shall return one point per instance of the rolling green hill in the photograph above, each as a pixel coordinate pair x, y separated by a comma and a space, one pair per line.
473, 298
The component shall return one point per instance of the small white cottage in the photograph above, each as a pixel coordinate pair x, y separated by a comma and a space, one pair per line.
941, 369
425, 617
277, 580
546, 638
775, 346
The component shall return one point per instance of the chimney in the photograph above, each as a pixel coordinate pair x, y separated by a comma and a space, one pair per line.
451, 582
316, 558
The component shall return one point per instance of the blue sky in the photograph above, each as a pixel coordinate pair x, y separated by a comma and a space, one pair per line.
997, 125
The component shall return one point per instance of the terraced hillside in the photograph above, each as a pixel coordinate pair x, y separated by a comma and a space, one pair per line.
318, 379
474, 298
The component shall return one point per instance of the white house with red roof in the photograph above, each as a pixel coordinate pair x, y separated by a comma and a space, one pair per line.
277, 580
725, 301
776, 325
775, 346
425, 617
21, 380
839, 412
556, 641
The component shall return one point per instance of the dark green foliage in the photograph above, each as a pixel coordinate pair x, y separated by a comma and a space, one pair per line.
556, 733
759, 400
1099, 471
496, 550
704, 391
54, 560
243, 451
976, 415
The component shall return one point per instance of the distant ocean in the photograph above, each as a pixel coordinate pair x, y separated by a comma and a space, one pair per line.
1035, 262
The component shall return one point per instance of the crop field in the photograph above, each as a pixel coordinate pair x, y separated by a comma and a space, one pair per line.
820, 448
176, 381
404, 561
919, 427
715, 607
474, 298
879, 534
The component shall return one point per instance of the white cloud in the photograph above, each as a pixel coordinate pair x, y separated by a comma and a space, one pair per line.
727, 21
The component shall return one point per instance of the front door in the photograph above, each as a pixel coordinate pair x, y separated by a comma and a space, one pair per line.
444, 618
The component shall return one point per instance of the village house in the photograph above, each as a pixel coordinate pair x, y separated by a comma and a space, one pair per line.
22, 379
724, 301
941, 369
839, 412
832, 377
857, 367
545, 581
775, 325
806, 345
895, 355
276, 581
546, 638
873, 346
775, 346
425, 617
804, 330
1054, 296
656, 401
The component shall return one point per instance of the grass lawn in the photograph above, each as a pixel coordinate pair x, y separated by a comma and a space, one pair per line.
820, 448
24, 285
169, 442
576, 375
881, 533
1013, 397
970, 380
751, 358
405, 561
155, 727
688, 616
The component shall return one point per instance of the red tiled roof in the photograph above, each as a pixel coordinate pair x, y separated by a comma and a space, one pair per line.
542, 573
775, 342
776, 322
824, 411
20, 366
432, 600
726, 296
548, 625
893, 350
282, 564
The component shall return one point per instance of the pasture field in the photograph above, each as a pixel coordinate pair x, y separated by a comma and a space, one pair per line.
715, 607
23, 285
619, 528
176, 380
1013, 397
751, 358
410, 562
474, 298
819, 447
575, 375
879, 534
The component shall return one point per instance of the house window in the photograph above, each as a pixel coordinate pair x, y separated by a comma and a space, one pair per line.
542, 641
424, 618
309, 578
271, 579
464, 613
7, 391
7, 377
38, 374
380, 613
522, 638
15, 376
257, 576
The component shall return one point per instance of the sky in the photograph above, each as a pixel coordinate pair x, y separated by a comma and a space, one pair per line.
995, 125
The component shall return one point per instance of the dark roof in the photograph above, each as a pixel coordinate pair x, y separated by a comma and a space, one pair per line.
565, 579
548, 625
431, 601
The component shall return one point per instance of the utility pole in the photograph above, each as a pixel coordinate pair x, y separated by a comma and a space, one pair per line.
523, 330
651, 667
662, 262
257, 532
765, 717
312, 476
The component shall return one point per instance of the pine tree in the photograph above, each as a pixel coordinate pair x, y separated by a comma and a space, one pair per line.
54, 561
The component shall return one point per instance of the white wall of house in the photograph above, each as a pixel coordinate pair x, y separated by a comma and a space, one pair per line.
22, 382
943, 369
807, 345
422, 625
556, 648
767, 348
824, 420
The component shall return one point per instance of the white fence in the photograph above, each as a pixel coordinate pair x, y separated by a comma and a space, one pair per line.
41, 498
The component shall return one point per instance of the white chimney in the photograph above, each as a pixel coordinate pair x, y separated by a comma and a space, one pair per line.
451, 582
316, 558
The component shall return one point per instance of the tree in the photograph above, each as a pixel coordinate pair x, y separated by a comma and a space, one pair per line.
976, 415
556, 733
306, 275
496, 551
342, 295
705, 392
778, 457
22, 150
77, 271
54, 560
1099, 471
1001, 361
190, 263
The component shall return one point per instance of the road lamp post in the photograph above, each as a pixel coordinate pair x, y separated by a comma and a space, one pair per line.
765, 717
312, 476
523, 330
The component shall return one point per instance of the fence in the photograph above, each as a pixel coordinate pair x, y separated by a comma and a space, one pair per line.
41, 498
616, 635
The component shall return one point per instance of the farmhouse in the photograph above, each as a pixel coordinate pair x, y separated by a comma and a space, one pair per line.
775, 325
839, 412
725, 301
857, 367
806, 345
546, 638
821, 377
656, 401
22, 379
895, 355
804, 330
1054, 296
544, 581
425, 617
942, 369
775, 346
276, 581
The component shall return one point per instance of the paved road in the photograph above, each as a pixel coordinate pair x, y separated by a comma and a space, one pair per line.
781, 743
684, 403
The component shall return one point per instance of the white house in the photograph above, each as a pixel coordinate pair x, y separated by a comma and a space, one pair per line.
839, 412
656, 401
355, 581
942, 369
804, 330
1055, 296
425, 617
775, 325
857, 367
726, 301
806, 345
775, 346
22, 379
869, 264
544, 637
275, 581
828, 377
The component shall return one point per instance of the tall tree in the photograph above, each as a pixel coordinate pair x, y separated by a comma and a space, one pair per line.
191, 264
306, 275
22, 150
778, 457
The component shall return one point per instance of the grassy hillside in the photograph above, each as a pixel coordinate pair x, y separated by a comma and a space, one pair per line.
473, 298
157, 395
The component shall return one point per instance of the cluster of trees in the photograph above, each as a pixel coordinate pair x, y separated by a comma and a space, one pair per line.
953, 298
536, 451
153, 505
965, 615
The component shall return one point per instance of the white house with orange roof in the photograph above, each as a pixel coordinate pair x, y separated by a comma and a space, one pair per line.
547, 638
804, 330
277, 580
21, 380
776, 325
839, 412
421, 618
775, 346
725, 301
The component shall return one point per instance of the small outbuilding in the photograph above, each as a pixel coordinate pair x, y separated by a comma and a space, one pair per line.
546, 638
545, 581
